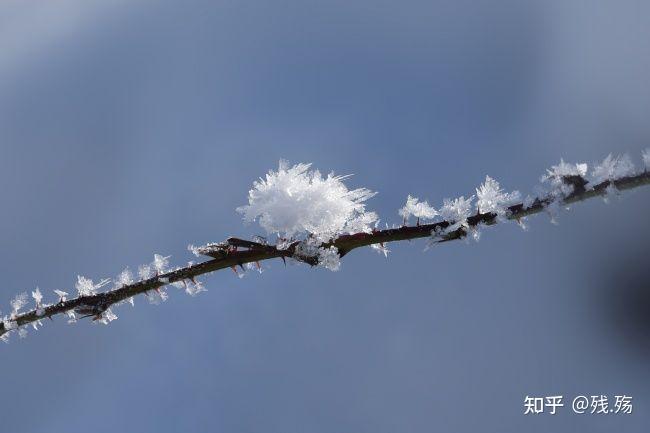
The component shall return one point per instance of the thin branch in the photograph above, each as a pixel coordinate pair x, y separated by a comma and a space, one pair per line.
227, 254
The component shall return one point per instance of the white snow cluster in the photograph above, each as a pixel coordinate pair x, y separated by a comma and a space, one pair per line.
327, 258
456, 212
414, 207
491, 198
86, 287
612, 167
296, 201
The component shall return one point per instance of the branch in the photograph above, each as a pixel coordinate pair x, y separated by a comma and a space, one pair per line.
228, 255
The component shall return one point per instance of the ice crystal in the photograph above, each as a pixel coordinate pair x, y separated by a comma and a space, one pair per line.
106, 317
195, 287
491, 198
646, 158
86, 287
381, 249
145, 272
556, 177
456, 212
18, 302
612, 168
125, 278
329, 258
157, 296
38, 297
297, 201
22, 332
61, 294
414, 207
160, 263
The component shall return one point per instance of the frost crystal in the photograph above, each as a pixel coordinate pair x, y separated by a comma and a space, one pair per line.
612, 168
646, 158
38, 297
18, 302
491, 198
107, 317
62, 295
157, 296
125, 278
418, 209
456, 212
86, 287
160, 263
193, 288
381, 249
298, 201
22, 332
329, 258
563, 169
145, 272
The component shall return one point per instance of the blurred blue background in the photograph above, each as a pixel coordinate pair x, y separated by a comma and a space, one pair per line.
128, 128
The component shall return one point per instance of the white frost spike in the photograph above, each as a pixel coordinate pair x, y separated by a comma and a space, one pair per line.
86, 287
418, 209
160, 263
38, 297
329, 258
456, 212
18, 302
491, 198
612, 168
107, 317
144, 272
557, 172
125, 278
62, 295
72, 317
646, 158
194, 288
380, 249
157, 296
298, 201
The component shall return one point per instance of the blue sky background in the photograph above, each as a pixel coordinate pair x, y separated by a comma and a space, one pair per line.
128, 128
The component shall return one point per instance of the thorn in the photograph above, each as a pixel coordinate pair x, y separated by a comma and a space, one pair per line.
234, 269
258, 265
284, 260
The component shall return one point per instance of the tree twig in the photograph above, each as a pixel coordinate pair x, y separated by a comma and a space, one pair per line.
228, 255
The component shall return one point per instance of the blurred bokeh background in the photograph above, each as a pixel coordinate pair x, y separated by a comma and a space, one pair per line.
128, 128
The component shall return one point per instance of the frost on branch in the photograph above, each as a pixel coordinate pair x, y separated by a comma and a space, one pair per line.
611, 168
564, 178
492, 199
420, 210
296, 201
311, 250
456, 212
18, 302
86, 287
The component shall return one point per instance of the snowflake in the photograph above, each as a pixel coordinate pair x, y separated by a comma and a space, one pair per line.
418, 209
646, 158
18, 302
299, 201
86, 287
612, 168
456, 212
491, 198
